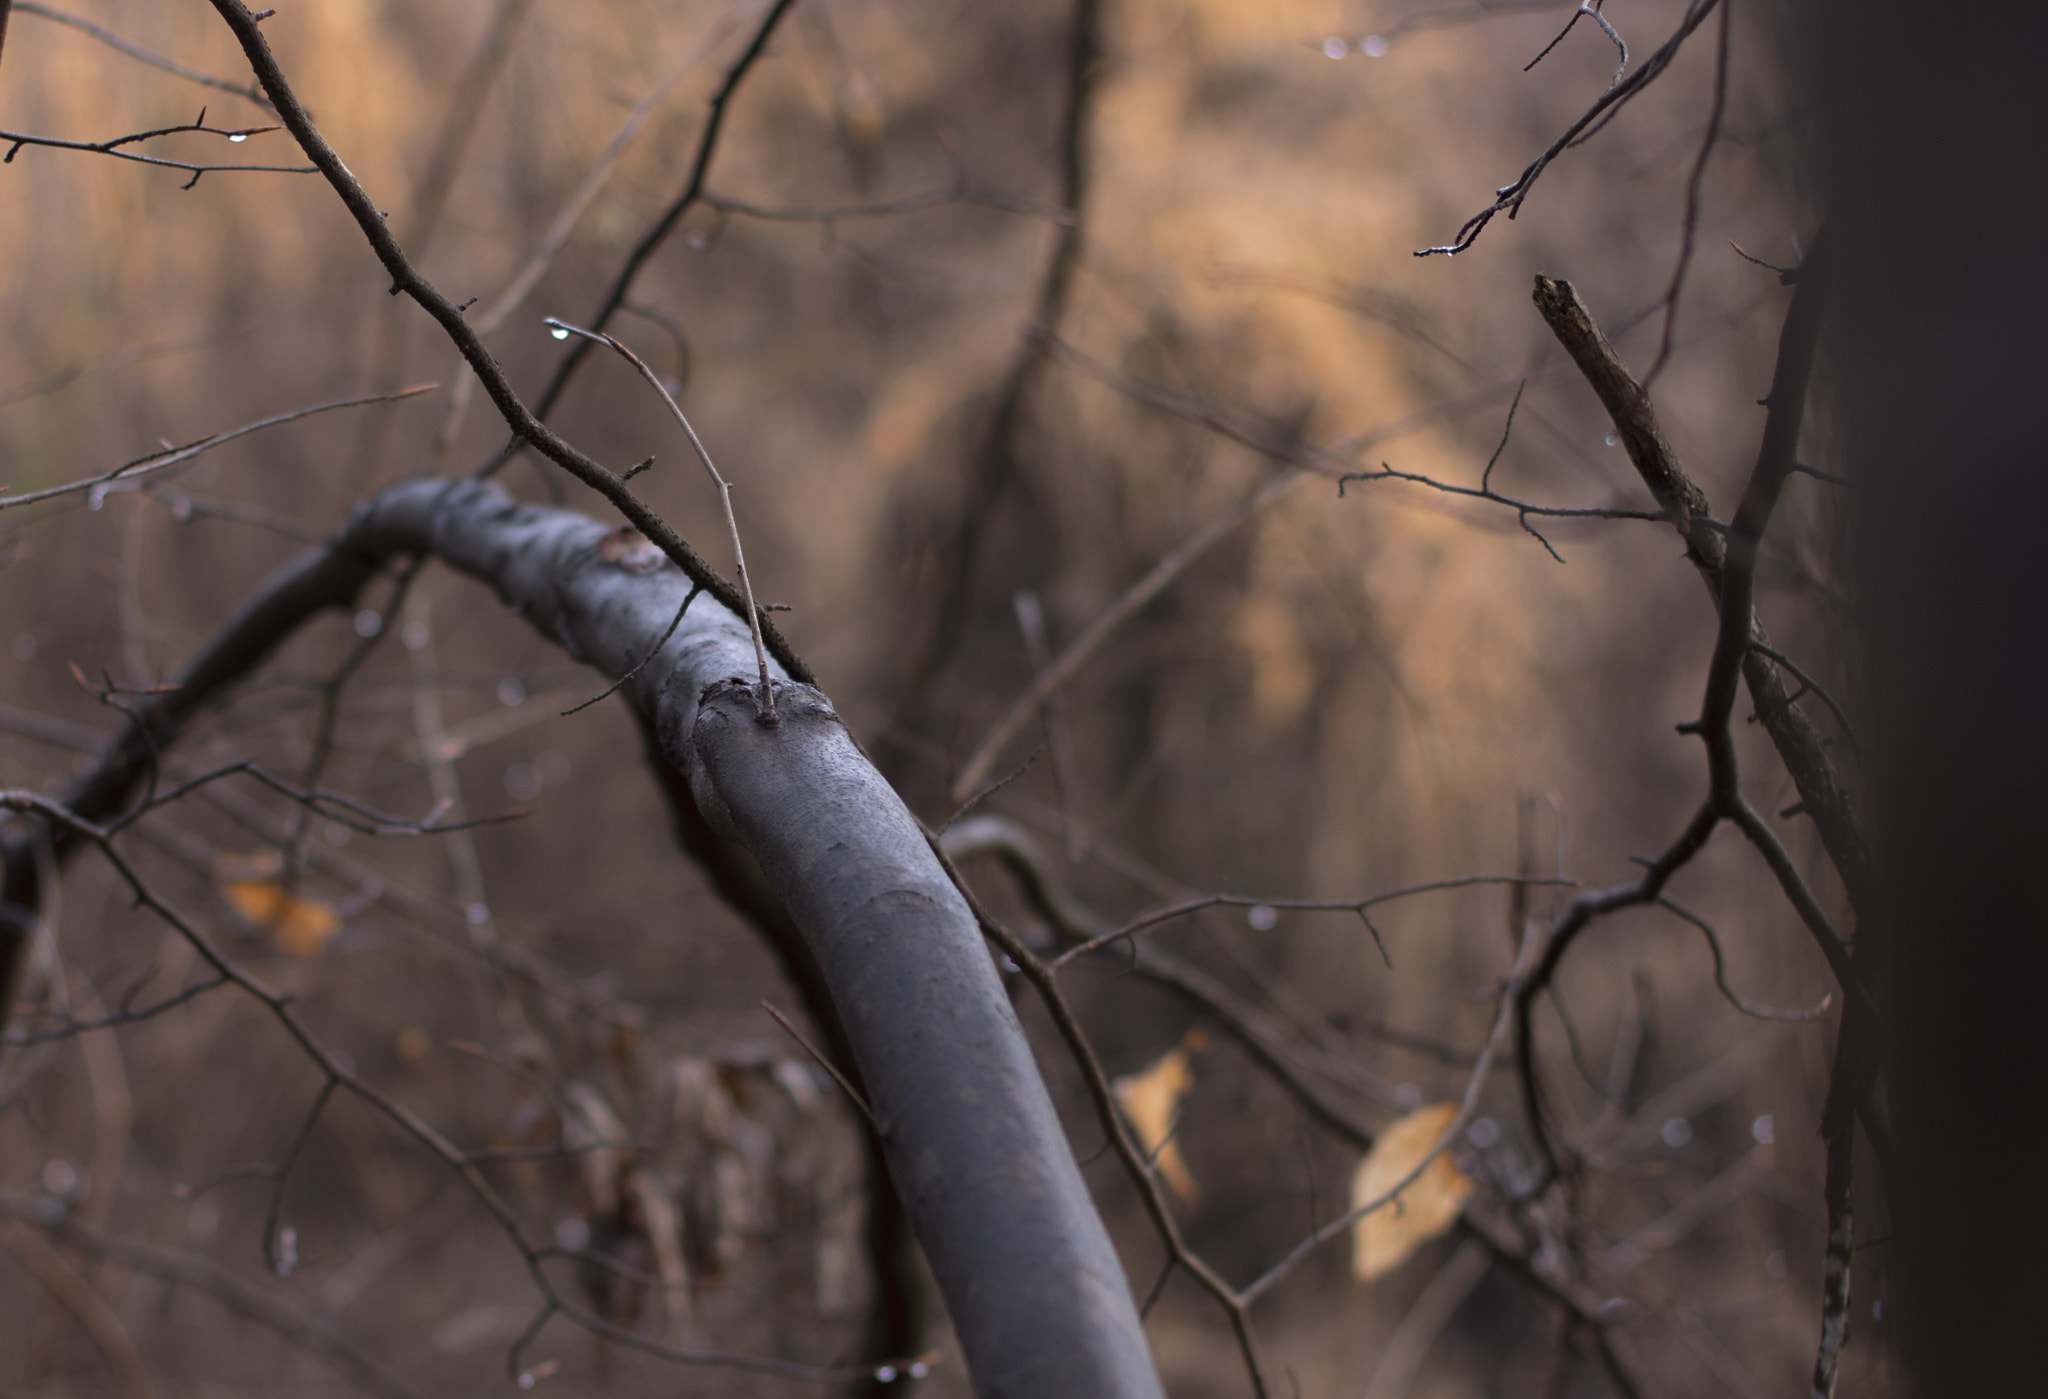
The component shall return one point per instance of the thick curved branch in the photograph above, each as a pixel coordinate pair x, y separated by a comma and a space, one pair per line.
972, 1140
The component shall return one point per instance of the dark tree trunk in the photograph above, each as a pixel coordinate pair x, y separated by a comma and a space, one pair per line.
1932, 124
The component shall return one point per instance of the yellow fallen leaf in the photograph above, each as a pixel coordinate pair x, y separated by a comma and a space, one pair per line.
1425, 1207
1150, 1099
302, 927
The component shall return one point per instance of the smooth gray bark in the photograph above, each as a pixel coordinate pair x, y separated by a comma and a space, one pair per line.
1034, 1288
1036, 1293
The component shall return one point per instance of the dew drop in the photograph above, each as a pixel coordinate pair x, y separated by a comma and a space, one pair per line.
1610, 440
368, 623
511, 691
526, 1379
1484, 1134
238, 137
559, 333
1334, 47
478, 914
1262, 917
1764, 1130
885, 1374
1374, 46
1677, 1132
415, 636
919, 1370
522, 782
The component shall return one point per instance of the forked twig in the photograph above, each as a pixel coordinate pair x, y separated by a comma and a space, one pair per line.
562, 329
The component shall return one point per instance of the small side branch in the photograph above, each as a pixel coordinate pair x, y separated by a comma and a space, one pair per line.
1508, 198
724, 488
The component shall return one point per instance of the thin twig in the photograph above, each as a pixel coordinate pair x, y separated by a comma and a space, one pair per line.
658, 233
845, 1084
135, 51
652, 652
1508, 198
120, 477
1690, 227
768, 715
524, 423
16, 140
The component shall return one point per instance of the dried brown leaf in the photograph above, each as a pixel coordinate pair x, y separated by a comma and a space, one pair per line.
1427, 1206
1150, 1098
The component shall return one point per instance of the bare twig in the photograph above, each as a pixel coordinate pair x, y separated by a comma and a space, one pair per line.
524, 423
114, 146
724, 488
652, 652
1508, 198
1799, 744
1587, 9
998, 456
1527, 960
121, 477
1690, 227
890, 208
1049, 681
136, 51
1183, 908
77, 1296
1747, 1007
658, 233
338, 1076
845, 1084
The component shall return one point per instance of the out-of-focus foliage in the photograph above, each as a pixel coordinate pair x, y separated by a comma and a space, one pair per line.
1344, 695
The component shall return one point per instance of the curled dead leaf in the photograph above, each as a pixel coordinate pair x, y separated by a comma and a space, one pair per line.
1427, 1206
1150, 1099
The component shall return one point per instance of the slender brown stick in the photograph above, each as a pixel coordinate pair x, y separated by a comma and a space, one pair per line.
732, 526
523, 422
693, 190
